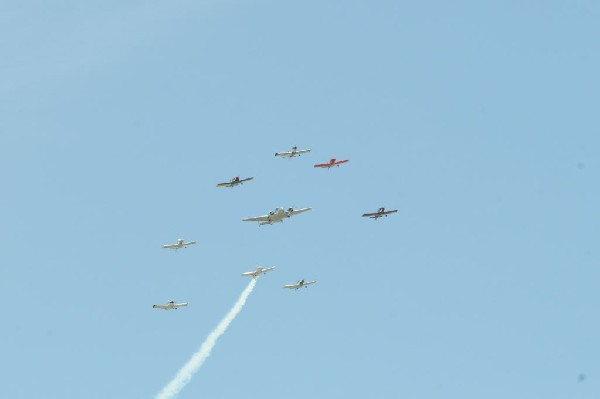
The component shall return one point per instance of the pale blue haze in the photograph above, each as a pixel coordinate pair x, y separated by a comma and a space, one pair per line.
477, 120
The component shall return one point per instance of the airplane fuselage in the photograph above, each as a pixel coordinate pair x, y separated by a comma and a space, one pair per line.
277, 216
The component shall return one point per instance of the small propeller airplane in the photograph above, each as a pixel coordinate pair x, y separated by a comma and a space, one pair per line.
259, 270
234, 182
380, 213
276, 216
180, 244
292, 153
299, 284
332, 162
170, 305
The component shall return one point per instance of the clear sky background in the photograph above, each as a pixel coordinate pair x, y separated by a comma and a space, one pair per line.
477, 120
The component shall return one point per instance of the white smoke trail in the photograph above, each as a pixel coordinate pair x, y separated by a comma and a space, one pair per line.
189, 369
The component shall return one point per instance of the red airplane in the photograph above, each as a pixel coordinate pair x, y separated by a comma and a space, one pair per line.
332, 162
380, 213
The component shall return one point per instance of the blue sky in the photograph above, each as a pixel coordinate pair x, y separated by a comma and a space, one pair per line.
476, 120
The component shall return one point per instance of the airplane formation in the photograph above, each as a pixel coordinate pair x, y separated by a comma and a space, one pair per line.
278, 215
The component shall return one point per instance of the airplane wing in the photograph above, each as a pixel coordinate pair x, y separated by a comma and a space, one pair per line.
248, 179
322, 165
297, 211
370, 214
388, 212
291, 286
283, 154
170, 246
164, 307
309, 283
341, 162
256, 219
180, 305
302, 151
225, 185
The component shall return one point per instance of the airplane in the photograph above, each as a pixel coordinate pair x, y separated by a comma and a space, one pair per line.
234, 182
332, 162
276, 216
180, 244
259, 270
380, 213
170, 305
299, 284
292, 153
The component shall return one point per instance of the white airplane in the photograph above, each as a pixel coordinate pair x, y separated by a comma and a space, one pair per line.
276, 216
170, 305
259, 270
292, 153
299, 284
180, 244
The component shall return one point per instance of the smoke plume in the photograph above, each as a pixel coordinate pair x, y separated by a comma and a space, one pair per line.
186, 373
